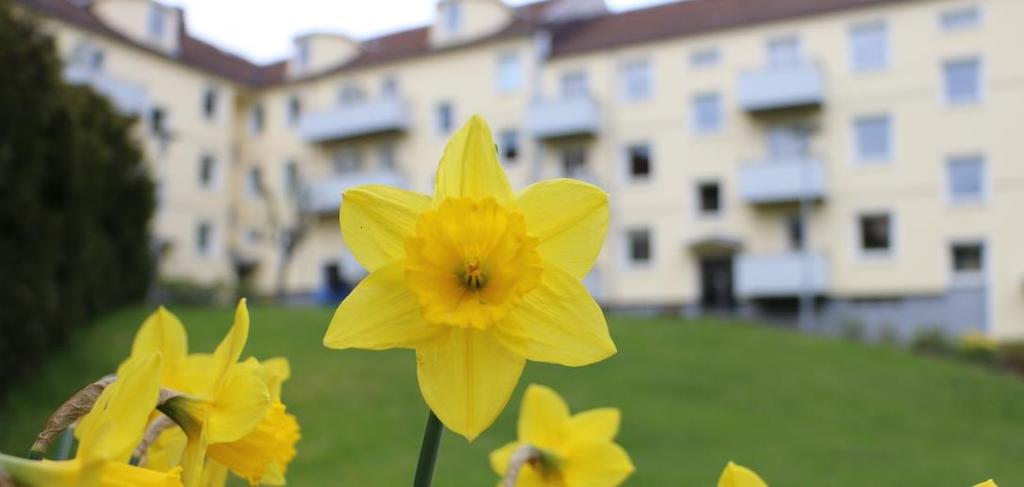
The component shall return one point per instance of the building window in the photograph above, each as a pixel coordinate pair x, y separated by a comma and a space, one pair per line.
966, 178
158, 121
873, 138
156, 21
869, 47
451, 11
303, 53
291, 178
574, 162
784, 52
351, 94
254, 182
967, 260
638, 246
875, 233
347, 161
960, 18
86, 55
294, 109
207, 171
574, 84
635, 78
709, 198
210, 102
389, 87
788, 142
204, 238
256, 119
705, 58
638, 158
707, 113
445, 118
795, 234
962, 79
510, 73
386, 156
509, 145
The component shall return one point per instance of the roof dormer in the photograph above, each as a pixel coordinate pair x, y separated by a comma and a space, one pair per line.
460, 21
316, 52
149, 23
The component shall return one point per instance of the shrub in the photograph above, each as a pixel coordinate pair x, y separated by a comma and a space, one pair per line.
931, 340
976, 347
75, 201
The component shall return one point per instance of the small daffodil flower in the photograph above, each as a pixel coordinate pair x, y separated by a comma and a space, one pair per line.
107, 436
475, 279
987, 483
739, 476
572, 450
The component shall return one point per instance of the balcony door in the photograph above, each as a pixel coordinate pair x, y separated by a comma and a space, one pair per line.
788, 142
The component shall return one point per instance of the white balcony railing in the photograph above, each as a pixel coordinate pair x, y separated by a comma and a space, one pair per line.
781, 275
780, 87
324, 196
563, 117
367, 117
129, 98
783, 180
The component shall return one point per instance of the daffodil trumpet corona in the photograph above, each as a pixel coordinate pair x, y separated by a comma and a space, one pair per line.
476, 279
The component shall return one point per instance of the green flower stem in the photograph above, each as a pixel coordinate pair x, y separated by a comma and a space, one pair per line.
65, 445
428, 451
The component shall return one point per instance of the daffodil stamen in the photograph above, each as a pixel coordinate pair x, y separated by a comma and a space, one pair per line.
473, 276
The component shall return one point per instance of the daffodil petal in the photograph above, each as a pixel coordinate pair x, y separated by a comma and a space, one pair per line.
597, 464
595, 425
242, 403
543, 417
380, 313
467, 376
33, 472
987, 483
470, 168
502, 456
123, 474
230, 348
376, 219
561, 323
194, 376
739, 476
570, 218
162, 332
214, 475
274, 372
118, 419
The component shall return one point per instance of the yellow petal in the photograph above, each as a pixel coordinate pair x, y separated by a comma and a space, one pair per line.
467, 376
274, 372
230, 348
263, 455
214, 475
595, 425
597, 464
34, 473
122, 474
543, 417
162, 332
987, 483
502, 456
241, 404
195, 376
470, 168
380, 313
570, 218
561, 323
165, 452
118, 419
375, 220
739, 476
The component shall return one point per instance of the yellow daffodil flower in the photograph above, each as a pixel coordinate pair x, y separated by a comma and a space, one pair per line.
107, 436
224, 400
739, 476
575, 451
476, 279
987, 483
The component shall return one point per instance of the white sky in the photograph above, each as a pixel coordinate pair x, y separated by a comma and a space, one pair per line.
262, 29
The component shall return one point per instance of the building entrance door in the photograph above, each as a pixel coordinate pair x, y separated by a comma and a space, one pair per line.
716, 284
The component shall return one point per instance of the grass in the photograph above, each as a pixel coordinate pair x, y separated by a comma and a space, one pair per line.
801, 410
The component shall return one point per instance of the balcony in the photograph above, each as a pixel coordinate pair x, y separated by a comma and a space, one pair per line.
367, 117
776, 88
325, 196
128, 98
790, 274
783, 181
564, 116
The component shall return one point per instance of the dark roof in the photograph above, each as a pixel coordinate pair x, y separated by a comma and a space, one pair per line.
685, 18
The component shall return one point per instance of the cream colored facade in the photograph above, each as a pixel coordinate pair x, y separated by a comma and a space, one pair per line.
868, 78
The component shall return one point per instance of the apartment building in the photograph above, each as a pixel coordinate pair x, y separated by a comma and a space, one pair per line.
841, 161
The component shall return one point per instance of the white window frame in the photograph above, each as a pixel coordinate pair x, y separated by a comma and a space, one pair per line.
216, 114
967, 279
451, 118
156, 22
566, 82
695, 104
509, 72
979, 97
257, 128
451, 13
857, 44
627, 71
876, 255
705, 58
215, 173
868, 160
627, 247
953, 19
211, 239
289, 109
772, 61
983, 193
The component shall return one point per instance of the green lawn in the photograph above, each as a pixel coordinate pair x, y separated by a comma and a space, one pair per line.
801, 410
